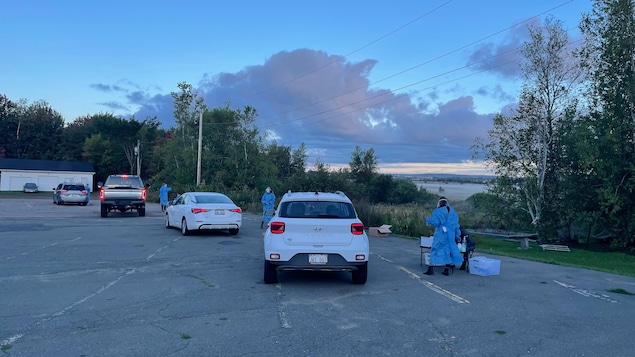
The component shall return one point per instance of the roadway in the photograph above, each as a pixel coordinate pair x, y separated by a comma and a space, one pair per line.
75, 284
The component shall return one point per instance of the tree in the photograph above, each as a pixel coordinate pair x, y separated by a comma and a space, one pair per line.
363, 165
39, 131
8, 126
523, 147
188, 107
609, 54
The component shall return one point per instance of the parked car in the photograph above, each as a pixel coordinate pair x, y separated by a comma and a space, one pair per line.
198, 211
70, 193
316, 231
29, 187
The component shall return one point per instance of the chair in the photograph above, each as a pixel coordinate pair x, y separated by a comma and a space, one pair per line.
425, 244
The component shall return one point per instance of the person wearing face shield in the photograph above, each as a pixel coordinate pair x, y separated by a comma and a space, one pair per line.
444, 251
268, 200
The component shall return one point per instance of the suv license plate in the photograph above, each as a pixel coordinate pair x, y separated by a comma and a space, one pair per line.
318, 258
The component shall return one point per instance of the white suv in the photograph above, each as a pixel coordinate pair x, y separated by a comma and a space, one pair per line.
316, 231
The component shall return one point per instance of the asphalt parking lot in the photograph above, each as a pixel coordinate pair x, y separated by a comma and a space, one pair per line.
75, 284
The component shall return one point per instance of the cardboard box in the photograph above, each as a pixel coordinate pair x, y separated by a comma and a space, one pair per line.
484, 266
380, 231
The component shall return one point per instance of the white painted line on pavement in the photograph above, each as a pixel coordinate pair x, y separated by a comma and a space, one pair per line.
586, 293
282, 312
436, 288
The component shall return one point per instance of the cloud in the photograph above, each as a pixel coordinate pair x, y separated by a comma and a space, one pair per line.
311, 97
107, 88
503, 58
114, 106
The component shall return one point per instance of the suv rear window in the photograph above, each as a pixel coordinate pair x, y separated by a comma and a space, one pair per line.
316, 209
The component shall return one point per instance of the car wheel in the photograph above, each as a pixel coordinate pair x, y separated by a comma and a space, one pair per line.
142, 211
184, 230
271, 275
167, 221
54, 200
233, 231
104, 211
360, 275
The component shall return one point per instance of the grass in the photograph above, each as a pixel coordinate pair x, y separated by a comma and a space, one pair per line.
615, 262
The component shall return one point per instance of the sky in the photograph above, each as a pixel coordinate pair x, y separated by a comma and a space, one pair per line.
416, 81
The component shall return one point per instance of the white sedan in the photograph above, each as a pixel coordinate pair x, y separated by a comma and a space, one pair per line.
196, 211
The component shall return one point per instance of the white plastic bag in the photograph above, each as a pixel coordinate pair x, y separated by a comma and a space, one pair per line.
461, 247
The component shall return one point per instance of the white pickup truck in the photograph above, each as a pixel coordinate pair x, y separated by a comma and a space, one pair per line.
122, 193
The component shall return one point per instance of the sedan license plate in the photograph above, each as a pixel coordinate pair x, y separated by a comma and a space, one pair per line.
320, 259
219, 212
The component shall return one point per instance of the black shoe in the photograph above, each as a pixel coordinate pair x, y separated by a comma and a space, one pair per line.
430, 271
446, 272
462, 266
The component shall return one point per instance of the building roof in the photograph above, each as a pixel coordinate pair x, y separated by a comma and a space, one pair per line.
46, 165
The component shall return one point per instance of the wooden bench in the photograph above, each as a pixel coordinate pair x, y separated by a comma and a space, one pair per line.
555, 247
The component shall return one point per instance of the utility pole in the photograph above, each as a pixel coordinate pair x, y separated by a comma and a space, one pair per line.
200, 148
137, 151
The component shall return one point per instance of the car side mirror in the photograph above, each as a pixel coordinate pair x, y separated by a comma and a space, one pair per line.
100, 184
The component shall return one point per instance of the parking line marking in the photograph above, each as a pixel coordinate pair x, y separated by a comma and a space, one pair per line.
436, 288
282, 313
585, 292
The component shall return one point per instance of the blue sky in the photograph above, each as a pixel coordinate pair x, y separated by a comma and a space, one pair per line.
417, 81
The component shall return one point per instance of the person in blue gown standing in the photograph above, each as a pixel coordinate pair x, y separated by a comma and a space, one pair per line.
163, 196
444, 251
268, 200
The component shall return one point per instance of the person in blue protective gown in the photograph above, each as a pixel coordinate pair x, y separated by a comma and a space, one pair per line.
163, 196
444, 251
268, 199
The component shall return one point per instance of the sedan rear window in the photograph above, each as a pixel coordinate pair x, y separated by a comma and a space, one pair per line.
316, 209
212, 199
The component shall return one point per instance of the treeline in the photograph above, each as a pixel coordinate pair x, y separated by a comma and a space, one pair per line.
235, 157
564, 156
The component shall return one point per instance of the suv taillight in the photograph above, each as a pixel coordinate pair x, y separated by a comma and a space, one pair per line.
143, 194
357, 228
277, 227
101, 194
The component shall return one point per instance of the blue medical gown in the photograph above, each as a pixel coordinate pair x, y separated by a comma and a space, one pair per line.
268, 200
444, 249
163, 195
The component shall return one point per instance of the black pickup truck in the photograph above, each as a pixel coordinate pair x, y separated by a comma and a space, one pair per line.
122, 193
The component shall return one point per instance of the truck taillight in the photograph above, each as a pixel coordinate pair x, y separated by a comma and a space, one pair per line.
101, 194
277, 227
357, 228
143, 194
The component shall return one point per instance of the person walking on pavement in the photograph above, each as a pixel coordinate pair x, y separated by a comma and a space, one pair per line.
163, 196
88, 197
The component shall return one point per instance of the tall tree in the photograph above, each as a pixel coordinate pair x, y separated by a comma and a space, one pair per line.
39, 131
523, 147
188, 106
610, 59
8, 126
363, 165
